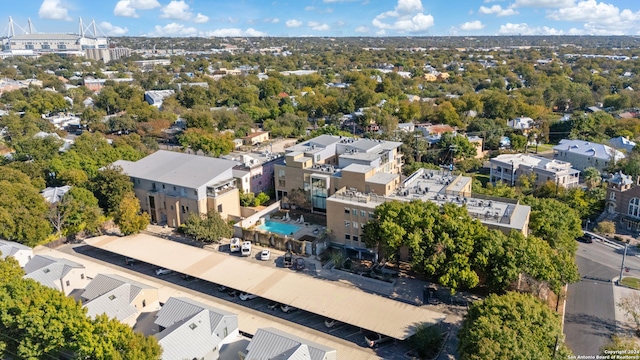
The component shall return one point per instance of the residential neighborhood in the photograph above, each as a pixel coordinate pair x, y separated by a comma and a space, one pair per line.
258, 197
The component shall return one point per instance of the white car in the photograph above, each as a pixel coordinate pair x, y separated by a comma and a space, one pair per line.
265, 254
246, 248
246, 296
234, 245
162, 271
287, 308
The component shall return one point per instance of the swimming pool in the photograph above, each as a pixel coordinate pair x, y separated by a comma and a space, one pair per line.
278, 227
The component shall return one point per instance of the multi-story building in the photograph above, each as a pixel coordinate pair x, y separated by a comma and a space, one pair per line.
254, 172
623, 200
349, 210
171, 185
324, 164
583, 154
508, 168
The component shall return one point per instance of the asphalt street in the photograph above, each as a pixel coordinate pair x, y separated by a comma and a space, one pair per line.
590, 308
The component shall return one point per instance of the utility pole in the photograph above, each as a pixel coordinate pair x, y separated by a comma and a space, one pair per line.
622, 265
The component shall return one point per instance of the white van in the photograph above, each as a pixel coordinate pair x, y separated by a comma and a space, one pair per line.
235, 244
246, 248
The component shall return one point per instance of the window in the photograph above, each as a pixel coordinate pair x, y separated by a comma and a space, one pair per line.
220, 208
347, 237
144, 303
354, 212
81, 276
174, 188
68, 283
281, 173
347, 223
347, 210
355, 224
184, 211
355, 238
195, 192
634, 207
371, 215
162, 186
363, 213
318, 157
612, 196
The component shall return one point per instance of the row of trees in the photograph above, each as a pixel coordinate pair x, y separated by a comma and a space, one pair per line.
37, 322
462, 253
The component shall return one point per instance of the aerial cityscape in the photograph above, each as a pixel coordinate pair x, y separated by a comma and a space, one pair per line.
337, 180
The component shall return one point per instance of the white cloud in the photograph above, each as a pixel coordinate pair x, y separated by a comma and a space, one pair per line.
112, 30
293, 23
199, 19
337, 1
407, 16
472, 25
309, 8
599, 18
174, 29
176, 10
525, 29
497, 10
271, 20
127, 8
314, 25
250, 32
544, 3
53, 9
362, 29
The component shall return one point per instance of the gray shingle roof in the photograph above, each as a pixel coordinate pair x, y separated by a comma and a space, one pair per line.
587, 148
48, 270
9, 248
189, 328
190, 171
115, 304
271, 343
104, 283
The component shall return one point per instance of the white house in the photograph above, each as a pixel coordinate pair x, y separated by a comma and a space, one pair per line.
521, 123
57, 273
21, 253
192, 330
583, 154
271, 343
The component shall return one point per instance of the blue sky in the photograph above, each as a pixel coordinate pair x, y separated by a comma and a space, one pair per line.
330, 17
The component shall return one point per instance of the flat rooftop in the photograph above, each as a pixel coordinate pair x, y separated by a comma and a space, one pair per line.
336, 301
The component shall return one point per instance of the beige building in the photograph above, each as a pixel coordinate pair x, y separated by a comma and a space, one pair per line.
324, 164
57, 273
348, 211
255, 138
171, 185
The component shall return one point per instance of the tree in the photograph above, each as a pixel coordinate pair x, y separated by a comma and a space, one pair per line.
426, 341
592, 177
110, 186
128, 217
606, 227
207, 229
210, 143
77, 211
38, 322
511, 326
619, 343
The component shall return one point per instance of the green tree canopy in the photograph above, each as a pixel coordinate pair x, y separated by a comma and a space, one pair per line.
207, 229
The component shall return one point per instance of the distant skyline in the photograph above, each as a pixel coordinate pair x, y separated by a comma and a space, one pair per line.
330, 17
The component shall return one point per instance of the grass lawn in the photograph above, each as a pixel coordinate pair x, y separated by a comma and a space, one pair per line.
484, 179
542, 148
631, 282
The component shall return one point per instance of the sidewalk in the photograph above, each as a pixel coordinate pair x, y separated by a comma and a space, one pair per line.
625, 323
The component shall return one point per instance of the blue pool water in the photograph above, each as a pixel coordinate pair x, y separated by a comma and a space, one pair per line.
278, 227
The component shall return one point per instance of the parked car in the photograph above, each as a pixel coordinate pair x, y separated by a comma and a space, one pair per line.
232, 292
129, 261
288, 259
374, 339
187, 277
273, 305
287, 308
586, 238
300, 264
265, 255
330, 322
162, 271
246, 248
244, 296
234, 245
222, 288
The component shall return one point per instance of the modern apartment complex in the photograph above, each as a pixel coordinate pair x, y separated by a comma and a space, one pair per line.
508, 168
349, 210
324, 164
170, 185
254, 172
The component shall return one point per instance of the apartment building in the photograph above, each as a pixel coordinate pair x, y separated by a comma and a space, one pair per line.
508, 168
170, 185
254, 172
324, 164
583, 154
349, 210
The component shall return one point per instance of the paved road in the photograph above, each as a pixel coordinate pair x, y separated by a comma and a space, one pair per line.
590, 311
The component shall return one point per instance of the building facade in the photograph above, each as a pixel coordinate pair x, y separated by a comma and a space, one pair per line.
508, 168
623, 200
583, 154
171, 185
322, 165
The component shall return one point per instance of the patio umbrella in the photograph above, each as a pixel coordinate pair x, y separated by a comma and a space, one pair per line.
301, 219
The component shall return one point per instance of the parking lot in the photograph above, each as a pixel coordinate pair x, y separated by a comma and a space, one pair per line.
354, 335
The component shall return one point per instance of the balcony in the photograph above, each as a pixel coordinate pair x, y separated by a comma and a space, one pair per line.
221, 188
